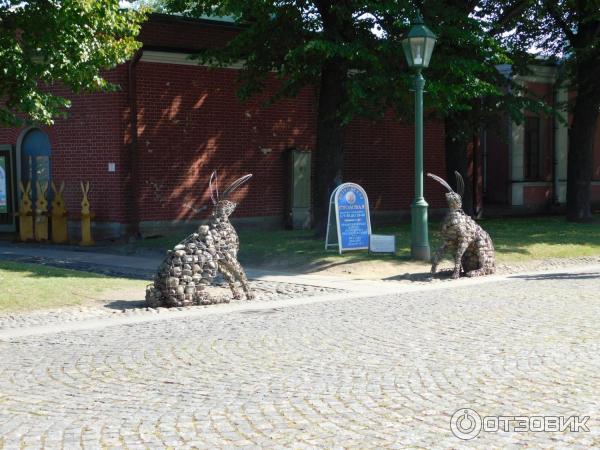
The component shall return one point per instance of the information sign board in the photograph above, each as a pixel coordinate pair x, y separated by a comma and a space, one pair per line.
382, 243
353, 223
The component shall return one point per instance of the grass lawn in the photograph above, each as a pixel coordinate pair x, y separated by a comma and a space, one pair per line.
515, 239
522, 239
25, 287
32, 286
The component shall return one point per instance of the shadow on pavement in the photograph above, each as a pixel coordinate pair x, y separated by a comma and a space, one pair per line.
126, 304
558, 276
421, 276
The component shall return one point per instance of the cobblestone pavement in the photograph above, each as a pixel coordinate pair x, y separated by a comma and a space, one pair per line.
375, 372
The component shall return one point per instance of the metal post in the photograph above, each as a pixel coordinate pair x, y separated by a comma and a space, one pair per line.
419, 229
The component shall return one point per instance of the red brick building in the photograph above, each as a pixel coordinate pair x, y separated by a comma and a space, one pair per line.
188, 121
149, 148
524, 166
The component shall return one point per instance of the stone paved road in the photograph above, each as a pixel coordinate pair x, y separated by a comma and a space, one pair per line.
370, 373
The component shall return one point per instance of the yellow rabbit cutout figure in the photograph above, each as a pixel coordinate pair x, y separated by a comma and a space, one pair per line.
25, 213
41, 213
86, 217
59, 216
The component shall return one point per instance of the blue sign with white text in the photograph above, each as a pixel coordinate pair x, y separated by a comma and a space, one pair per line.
352, 208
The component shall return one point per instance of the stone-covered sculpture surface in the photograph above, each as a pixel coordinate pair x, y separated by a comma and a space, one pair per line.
472, 246
196, 261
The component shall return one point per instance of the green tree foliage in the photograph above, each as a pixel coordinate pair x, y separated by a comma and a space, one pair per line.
63, 41
569, 31
464, 86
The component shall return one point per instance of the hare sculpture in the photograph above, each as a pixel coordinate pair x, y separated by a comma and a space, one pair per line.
196, 261
25, 213
472, 246
86, 216
41, 212
59, 215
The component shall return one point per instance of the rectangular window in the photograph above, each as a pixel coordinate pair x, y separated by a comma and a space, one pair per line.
7, 189
532, 148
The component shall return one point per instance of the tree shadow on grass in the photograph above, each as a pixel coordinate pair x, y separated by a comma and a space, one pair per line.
512, 249
37, 267
57, 268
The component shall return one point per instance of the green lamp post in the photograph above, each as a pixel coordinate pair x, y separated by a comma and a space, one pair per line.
418, 46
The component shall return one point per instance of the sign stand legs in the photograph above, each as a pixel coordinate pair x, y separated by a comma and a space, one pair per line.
328, 233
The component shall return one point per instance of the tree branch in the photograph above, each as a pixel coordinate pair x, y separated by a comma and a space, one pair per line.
509, 14
597, 31
560, 21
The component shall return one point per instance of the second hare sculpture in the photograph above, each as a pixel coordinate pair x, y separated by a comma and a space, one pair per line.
195, 261
25, 213
86, 216
473, 247
41, 212
59, 216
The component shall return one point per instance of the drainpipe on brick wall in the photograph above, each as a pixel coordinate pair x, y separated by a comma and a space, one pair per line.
555, 151
134, 188
484, 154
555, 196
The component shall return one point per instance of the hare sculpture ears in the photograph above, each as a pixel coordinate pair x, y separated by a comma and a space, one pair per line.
460, 183
213, 186
58, 191
26, 189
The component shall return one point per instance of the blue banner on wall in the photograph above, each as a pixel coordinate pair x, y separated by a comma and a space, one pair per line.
352, 217
3, 186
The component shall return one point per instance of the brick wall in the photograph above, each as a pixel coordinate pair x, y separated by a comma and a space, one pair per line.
380, 157
537, 195
84, 143
163, 31
191, 122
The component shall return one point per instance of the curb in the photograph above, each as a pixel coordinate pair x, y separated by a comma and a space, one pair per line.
367, 291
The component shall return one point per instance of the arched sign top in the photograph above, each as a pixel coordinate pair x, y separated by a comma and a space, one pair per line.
352, 217
36, 143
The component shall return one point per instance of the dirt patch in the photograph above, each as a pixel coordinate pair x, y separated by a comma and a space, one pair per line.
359, 269
371, 270
418, 271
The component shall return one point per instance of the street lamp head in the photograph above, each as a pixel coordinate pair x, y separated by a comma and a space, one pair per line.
418, 45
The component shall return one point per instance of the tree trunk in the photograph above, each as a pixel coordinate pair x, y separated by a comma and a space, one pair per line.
581, 150
329, 151
457, 159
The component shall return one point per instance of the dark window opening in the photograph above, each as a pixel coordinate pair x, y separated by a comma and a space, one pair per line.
533, 156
